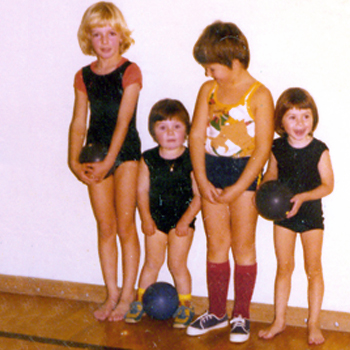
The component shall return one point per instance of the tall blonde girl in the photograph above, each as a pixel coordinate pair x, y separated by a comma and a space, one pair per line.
109, 87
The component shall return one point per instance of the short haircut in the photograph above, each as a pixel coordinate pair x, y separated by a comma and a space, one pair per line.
99, 15
221, 43
294, 98
167, 109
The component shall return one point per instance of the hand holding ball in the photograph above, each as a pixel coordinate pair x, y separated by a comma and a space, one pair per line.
273, 200
92, 153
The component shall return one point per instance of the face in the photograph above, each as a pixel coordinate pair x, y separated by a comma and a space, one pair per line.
218, 72
170, 133
105, 42
298, 124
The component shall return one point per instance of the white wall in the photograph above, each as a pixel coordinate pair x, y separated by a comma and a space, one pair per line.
46, 227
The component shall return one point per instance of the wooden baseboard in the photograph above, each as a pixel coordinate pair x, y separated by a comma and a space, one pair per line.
331, 320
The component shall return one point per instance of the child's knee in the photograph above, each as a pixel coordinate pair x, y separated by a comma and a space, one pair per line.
106, 229
285, 269
314, 272
177, 267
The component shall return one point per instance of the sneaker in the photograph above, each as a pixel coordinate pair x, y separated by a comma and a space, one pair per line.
135, 312
240, 329
206, 323
183, 316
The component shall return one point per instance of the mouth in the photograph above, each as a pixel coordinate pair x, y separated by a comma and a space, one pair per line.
299, 132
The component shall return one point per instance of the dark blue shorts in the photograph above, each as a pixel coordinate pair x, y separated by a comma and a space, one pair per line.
225, 171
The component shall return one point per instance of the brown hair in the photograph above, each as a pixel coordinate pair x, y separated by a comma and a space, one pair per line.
99, 15
167, 109
221, 43
294, 98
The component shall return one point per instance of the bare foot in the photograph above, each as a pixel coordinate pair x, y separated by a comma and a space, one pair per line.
315, 336
272, 331
105, 310
119, 311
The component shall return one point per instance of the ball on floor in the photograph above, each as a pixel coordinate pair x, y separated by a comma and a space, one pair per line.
160, 301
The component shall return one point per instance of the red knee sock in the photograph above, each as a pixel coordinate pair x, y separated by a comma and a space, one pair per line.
244, 277
218, 278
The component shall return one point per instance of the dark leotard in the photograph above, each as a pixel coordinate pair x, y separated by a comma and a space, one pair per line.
298, 169
170, 188
105, 93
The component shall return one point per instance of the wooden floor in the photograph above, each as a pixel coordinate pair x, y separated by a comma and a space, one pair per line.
28, 322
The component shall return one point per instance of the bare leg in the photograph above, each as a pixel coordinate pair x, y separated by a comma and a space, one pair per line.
125, 180
155, 247
102, 201
178, 250
312, 244
284, 247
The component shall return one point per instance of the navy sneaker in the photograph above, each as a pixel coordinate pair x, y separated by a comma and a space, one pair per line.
206, 323
240, 330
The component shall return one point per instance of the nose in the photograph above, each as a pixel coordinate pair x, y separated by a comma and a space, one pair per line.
300, 121
104, 39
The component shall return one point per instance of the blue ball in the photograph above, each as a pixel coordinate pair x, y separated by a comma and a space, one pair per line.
160, 301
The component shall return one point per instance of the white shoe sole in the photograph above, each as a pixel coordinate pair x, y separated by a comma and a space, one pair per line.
192, 331
239, 338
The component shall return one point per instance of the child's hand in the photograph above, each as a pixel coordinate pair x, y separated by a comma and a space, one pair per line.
297, 201
81, 172
228, 195
181, 229
97, 171
149, 227
209, 192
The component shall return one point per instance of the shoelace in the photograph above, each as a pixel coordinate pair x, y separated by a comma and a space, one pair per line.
238, 322
206, 318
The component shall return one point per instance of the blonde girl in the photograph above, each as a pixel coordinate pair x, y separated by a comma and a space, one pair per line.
230, 142
302, 163
109, 88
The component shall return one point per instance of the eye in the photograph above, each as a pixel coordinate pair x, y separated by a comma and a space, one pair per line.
161, 127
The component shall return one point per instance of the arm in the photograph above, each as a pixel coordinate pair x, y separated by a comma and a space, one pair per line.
326, 187
272, 170
126, 111
193, 209
196, 143
263, 109
77, 133
143, 187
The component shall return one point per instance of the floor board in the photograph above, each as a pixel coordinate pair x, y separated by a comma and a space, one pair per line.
28, 322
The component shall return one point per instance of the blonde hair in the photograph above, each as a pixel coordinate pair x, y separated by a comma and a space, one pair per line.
99, 15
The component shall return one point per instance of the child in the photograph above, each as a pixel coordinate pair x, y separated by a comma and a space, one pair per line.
110, 86
168, 203
230, 142
303, 163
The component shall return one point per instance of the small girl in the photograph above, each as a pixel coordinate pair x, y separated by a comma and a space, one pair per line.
168, 202
110, 87
302, 163
230, 142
